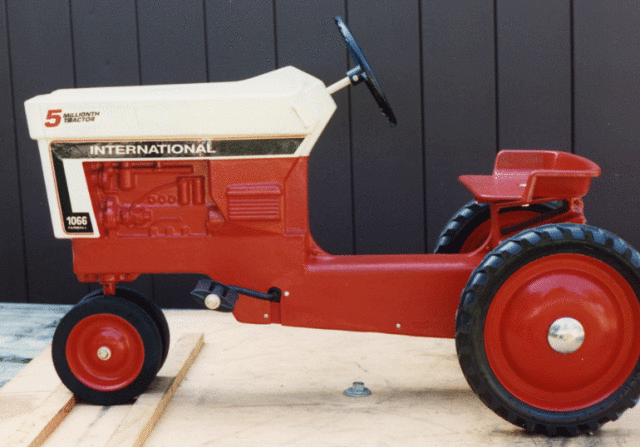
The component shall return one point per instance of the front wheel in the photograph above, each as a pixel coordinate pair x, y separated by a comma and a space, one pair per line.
148, 306
548, 332
107, 350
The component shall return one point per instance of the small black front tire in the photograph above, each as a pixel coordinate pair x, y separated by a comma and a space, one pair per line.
107, 350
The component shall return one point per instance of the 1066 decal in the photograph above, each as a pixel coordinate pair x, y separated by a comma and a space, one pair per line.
78, 223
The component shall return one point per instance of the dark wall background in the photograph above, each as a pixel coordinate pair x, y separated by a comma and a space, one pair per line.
465, 78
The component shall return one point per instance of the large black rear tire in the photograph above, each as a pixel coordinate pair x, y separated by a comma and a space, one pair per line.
548, 329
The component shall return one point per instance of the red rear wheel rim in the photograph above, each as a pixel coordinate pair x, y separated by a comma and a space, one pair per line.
105, 352
526, 305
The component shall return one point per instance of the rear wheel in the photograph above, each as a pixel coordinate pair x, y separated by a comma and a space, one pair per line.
547, 331
470, 225
107, 350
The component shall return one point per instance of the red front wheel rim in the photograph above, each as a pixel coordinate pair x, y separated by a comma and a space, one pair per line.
576, 287
105, 352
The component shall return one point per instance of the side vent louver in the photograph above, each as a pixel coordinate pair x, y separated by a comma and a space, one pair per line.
255, 201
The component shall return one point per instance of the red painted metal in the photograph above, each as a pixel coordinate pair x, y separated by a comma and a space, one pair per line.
480, 234
524, 176
119, 337
244, 222
500, 226
525, 306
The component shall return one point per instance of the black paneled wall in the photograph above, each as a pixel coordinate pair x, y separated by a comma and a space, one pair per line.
464, 78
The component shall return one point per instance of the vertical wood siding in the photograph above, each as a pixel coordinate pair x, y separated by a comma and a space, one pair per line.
464, 78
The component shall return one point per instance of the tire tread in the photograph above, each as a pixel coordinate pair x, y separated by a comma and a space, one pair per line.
470, 311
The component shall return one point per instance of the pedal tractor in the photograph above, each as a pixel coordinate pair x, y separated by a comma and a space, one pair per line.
212, 179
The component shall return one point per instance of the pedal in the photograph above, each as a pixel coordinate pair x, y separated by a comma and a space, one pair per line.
215, 296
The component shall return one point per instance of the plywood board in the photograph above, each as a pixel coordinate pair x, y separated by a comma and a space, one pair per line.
280, 386
34, 403
129, 425
145, 413
277, 386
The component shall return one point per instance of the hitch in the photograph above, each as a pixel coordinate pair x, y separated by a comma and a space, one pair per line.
217, 296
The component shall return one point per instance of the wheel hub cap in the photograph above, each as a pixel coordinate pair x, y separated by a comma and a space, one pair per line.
565, 335
104, 353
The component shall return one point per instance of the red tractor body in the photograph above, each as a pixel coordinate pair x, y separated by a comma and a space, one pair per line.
212, 179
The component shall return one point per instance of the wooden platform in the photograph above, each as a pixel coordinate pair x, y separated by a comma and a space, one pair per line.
32, 409
25, 330
278, 386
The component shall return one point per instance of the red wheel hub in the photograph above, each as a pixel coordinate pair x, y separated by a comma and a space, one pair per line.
105, 352
579, 288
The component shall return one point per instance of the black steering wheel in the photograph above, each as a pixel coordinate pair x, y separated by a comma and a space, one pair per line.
362, 72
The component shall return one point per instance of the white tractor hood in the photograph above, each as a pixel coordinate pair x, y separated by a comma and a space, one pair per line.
282, 103
278, 114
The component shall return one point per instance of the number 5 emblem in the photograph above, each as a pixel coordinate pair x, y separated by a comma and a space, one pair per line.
53, 118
